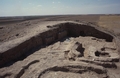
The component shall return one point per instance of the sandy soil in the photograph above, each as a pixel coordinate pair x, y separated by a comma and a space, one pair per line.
50, 62
12, 30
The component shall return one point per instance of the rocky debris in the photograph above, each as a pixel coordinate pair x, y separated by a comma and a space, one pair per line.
90, 51
73, 51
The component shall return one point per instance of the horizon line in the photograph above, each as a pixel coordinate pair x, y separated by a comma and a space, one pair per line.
55, 15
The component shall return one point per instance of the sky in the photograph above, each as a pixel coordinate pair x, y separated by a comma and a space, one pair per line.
58, 7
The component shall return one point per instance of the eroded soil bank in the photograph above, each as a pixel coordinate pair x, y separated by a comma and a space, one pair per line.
64, 50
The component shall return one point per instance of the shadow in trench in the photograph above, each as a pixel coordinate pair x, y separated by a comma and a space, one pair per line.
72, 69
22, 57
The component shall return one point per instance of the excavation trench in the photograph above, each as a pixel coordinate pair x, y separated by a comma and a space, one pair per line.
54, 33
73, 69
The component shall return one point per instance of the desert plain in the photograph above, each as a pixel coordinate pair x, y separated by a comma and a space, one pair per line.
60, 46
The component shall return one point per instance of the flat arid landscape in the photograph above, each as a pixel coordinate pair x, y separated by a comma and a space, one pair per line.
60, 46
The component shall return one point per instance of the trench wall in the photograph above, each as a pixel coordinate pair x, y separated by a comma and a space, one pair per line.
76, 30
57, 32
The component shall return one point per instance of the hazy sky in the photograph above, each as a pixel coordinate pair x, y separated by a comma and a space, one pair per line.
56, 7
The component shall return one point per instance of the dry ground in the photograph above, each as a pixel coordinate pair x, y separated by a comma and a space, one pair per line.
12, 30
49, 61
111, 23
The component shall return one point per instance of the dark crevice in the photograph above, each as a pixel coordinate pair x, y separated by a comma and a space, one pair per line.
22, 71
6, 75
80, 49
103, 64
101, 54
72, 69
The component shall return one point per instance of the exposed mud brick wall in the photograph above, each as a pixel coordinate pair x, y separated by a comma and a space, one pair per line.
49, 40
45, 38
84, 30
17, 51
51, 35
72, 29
62, 31
62, 35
